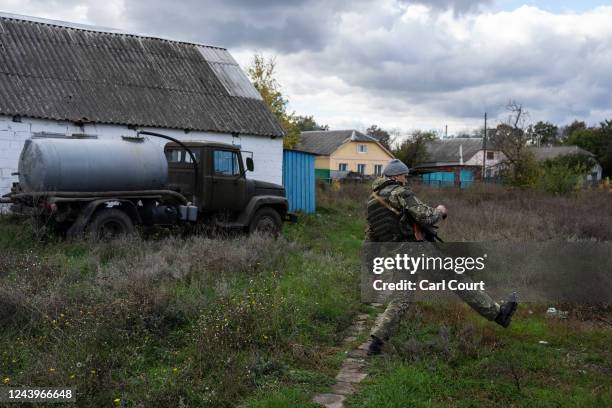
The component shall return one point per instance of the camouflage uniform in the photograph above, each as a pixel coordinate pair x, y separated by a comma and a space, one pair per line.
385, 226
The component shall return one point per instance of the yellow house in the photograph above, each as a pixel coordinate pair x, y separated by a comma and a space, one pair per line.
339, 152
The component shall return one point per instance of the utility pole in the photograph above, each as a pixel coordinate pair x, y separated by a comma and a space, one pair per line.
445, 131
484, 148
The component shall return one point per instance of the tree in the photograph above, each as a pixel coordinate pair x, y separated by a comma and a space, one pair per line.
520, 167
543, 134
413, 150
597, 141
573, 127
382, 136
262, 73
306, 123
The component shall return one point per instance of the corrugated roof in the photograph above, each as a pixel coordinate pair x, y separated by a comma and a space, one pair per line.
65, 73
446, 151
325, 142
545, 153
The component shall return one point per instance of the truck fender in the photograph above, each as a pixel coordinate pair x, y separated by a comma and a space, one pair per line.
259, 201
79, 225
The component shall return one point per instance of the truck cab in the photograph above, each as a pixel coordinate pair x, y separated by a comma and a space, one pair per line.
218, 185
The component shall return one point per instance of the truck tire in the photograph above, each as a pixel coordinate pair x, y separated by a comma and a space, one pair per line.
266, 221
109, 224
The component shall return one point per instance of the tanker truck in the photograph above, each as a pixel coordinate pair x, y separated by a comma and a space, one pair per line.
105, 188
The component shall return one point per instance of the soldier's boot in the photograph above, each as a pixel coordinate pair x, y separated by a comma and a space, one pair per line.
504, 317
375, 346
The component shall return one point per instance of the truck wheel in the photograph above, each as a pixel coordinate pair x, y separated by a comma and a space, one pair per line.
109, 224
267, 221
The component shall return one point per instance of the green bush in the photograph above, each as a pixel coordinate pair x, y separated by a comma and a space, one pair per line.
563, 175
523, 173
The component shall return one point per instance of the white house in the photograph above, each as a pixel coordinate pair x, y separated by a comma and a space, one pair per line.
63, 80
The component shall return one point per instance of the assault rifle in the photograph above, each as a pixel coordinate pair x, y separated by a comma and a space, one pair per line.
423, 232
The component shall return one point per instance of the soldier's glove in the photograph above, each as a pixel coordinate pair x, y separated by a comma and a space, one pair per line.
507, 310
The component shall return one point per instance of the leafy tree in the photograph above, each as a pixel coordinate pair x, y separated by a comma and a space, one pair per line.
564, 174
573, 127
306, 123
383, 137
543, 134
262, 73
597, 141
413, 150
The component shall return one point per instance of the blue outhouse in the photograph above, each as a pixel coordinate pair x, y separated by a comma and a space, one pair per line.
299, 180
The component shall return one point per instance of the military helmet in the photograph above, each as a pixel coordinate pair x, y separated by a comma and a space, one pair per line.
395, 167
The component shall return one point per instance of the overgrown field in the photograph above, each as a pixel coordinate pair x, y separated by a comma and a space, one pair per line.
256, 322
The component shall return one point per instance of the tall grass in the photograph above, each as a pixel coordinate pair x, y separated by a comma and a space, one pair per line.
194, 320
486, 212
167, 322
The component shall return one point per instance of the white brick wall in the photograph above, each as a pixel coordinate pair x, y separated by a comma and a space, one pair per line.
267, 152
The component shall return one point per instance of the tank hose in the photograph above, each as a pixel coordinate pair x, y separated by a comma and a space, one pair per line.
193, 158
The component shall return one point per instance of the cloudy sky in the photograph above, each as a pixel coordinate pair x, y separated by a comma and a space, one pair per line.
398, 63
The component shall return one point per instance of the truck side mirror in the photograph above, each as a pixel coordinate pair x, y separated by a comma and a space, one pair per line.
249, 163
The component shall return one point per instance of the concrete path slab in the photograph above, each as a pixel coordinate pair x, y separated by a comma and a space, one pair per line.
352, 371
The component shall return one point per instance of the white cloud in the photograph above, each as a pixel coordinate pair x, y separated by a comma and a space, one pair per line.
430, 68
400, 64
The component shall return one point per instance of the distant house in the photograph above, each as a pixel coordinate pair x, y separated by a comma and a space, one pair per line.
553, 152
340, 152
458, 161
59, 79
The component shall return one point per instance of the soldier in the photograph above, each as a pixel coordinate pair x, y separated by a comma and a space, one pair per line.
395, 214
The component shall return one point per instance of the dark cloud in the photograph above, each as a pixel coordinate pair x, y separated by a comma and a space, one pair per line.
285, 26
459, 6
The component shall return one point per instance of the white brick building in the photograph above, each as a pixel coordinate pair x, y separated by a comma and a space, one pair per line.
59, 80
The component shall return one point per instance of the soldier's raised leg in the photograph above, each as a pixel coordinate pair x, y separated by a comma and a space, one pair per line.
482, 303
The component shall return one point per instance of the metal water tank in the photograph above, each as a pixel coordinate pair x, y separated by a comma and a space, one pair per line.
52, 164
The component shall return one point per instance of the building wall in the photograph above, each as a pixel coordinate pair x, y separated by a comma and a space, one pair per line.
493, 166
322, 162
267, 152
456, 170
348, 153
595, 173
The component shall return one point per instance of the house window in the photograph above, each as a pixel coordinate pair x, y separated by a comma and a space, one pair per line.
378, 169
361, 168
342, 166
362, 148
490, 155
226, 163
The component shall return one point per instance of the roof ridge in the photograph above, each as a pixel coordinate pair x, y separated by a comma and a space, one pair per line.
94, 29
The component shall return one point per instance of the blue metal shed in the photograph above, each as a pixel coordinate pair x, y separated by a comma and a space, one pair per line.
439, 178
299, 180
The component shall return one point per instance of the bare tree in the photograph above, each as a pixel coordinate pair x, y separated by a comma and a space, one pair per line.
511, 139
